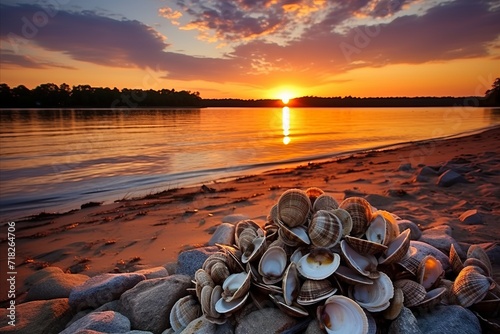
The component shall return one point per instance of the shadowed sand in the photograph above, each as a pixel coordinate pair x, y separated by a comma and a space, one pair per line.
151, 231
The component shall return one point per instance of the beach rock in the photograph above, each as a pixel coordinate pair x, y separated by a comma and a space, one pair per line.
449, 319
54, 285
427, 171
42, 273
471, 217
39, 316
107, 322
199, 326
405, 323
421, 178
190, 261
415, 232
224, 234
440, 237
234, 218
155, 272
226, 328
405, 167
148, 304
313, 328
102, 289
379, 200
449, 178
267, 320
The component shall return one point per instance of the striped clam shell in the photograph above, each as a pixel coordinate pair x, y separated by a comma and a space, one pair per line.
364, 246
183, 312
325, 229
325, 202
476, 252
294, 207
313, 291
414, 292
361, 214
345, 219
471, 286
455, 261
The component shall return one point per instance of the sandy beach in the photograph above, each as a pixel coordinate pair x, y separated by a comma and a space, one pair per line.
137, 233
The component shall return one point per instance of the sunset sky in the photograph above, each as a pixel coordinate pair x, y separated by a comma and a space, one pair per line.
255, 48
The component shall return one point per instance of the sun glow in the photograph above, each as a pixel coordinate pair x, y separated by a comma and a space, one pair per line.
285, 97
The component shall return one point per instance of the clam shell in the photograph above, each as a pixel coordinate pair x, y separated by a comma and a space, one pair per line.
397, 249
318, 264
471, 286
219, 272
293, 207
476, 252
294, 310
213, 316
202, 279
255, 250
233, 258
351, 276
413, 292
313, 193
290, 284
183, 312
223, 307
313, 291
325, 202
455, 261
432, 298
361, 213
345, 219
342, 315
480, 266
236, 286
429, 272
396, 305
325, 229
409, 263
272, 265
419, 250
205, 299
364, 264
273, 214
383, 228
293, 236
245, 228
374, 297
363, 246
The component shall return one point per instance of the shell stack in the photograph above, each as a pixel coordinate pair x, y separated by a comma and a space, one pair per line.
345, 265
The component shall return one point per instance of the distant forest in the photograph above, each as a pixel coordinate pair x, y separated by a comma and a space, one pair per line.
84, 96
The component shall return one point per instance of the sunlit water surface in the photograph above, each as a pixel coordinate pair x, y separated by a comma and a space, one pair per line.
56, 160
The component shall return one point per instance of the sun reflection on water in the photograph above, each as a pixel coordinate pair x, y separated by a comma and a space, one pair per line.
286, 125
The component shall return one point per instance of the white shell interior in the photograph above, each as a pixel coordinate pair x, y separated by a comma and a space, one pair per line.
309, 268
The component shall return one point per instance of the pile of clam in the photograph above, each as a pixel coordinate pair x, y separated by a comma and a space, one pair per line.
346, 265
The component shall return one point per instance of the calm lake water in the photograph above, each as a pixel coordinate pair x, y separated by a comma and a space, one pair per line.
56, 160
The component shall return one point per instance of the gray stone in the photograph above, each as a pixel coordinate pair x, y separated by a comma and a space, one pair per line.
471, 217
234, 218
107, 322
224, 234
226, 328
148, 304
199, 326
449, 319
190, 261
449, 178
405, 323
155, 272
440, 237
405, 167
313, 328
54, 285
427, 171
267, 320
42, 273
415, 232
421, 178
39, 316
102, 289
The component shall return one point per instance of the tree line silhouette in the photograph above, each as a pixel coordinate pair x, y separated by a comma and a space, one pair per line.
50, 95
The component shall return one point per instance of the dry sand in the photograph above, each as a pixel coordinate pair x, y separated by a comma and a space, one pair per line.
151, 231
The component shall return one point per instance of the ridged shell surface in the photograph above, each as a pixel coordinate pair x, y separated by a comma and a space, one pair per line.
413, 292
325, 202
471, 286
313, 291
361, 214
325, 229
294, 207
183, 312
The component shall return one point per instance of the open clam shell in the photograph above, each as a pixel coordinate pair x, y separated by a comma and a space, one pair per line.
294, 207
432, 298
223, 307
374, 297
361, 213
351, 276
364, 264
382, 228
318, 264
364, 246
325, 202
314, 291
293, 236
255, 250
325, 229
396, 305
397, 249
291, 283
429, 272
236, 286
294, 309
342, 315
272, 265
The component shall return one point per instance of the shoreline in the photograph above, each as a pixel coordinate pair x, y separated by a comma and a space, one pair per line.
246, 170
152, 230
